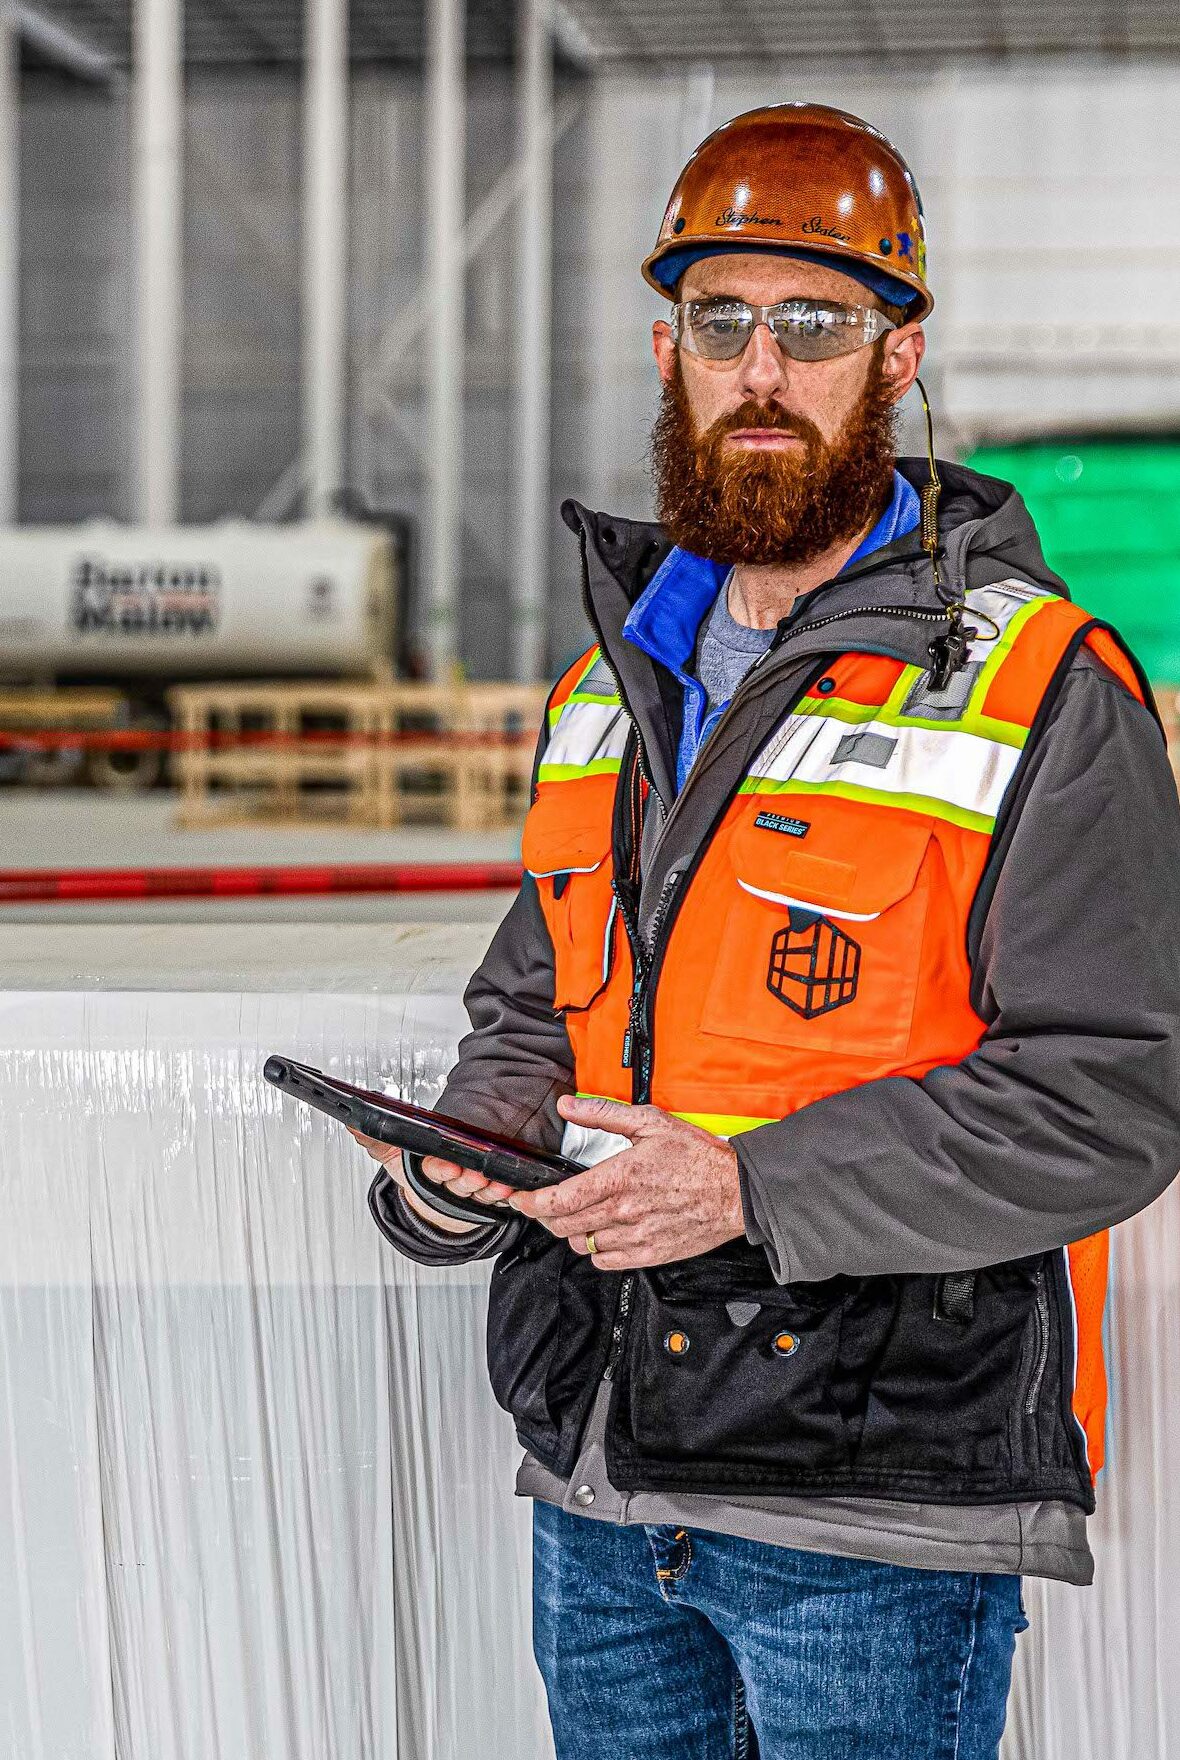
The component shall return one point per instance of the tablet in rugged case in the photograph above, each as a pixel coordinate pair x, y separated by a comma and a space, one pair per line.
421, 1131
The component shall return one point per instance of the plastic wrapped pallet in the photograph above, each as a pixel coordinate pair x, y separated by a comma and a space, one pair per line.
255, 1494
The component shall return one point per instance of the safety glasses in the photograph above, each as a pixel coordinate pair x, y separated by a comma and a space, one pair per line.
719, 329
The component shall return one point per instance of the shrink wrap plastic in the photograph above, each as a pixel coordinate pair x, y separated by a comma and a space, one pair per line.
255, 1493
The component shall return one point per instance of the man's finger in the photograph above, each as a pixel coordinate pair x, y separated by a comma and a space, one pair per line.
597, 1216
606, 1115
440, 1171
579, 1192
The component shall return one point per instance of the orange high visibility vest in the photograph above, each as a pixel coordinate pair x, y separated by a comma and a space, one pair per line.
822, 940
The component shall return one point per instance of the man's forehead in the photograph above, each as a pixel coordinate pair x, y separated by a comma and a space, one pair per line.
767, 276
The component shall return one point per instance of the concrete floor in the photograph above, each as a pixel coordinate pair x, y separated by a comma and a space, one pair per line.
83, 828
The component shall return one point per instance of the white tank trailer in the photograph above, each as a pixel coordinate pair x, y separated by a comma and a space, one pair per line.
114, 602
136, 608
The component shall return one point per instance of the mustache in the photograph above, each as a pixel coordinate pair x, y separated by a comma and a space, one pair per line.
770, 417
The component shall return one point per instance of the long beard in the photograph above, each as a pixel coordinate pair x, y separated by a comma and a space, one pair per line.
766, 507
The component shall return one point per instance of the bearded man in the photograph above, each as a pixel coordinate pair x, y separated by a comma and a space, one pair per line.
848, 962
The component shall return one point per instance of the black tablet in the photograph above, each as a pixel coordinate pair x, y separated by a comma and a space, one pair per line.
506, 1159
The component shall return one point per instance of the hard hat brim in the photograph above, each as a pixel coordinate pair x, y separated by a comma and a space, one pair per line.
841, 257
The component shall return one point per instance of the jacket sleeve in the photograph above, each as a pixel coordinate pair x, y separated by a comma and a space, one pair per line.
511, 1067
1066, 1118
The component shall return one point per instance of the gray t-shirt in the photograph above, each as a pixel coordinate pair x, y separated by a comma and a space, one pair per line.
727, 650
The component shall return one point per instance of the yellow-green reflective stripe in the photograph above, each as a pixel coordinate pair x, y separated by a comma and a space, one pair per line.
592, 660
1004, 733
719, 1124
571, 772
577, 697
723, 1124
852, 791
999, 653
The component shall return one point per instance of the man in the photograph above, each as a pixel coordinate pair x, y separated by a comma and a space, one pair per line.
849, 954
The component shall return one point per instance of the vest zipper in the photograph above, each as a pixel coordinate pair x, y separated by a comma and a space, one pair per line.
641, 955
644, 957
647, 958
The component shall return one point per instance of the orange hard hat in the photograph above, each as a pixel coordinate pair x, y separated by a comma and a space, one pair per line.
805, 181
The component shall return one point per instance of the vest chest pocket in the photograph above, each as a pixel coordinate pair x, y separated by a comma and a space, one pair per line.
820, 946
566, 849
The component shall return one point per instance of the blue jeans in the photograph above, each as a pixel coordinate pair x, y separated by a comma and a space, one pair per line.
664, 1643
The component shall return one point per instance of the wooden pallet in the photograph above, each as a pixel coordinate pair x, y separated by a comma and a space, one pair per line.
458, 755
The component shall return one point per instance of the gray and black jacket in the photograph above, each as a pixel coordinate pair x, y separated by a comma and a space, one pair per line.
860, 1207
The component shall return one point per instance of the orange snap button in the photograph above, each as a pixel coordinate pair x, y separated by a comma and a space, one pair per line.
785, 1344
676, 1343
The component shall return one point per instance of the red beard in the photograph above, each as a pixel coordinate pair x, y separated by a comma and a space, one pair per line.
767, 507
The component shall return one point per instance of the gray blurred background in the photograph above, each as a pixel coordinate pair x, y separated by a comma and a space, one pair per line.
267, 252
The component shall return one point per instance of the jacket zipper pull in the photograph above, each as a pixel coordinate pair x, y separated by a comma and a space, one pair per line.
633, 1008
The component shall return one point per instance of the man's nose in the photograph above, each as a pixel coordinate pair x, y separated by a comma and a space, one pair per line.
763, 367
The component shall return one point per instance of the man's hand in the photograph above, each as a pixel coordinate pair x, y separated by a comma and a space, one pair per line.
674, 1193
459, 1180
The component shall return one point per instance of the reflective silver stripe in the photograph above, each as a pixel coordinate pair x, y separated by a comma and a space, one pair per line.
1001, 601
586, 732
943, 763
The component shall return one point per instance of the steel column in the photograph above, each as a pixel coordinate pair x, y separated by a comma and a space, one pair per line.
158, 100
531, 362
9, 266
325, 250
445, 144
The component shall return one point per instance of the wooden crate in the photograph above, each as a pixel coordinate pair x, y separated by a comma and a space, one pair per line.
335, 774
497, 725
447, 754
462, 754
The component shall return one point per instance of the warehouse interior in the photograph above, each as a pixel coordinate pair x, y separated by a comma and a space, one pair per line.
312, 314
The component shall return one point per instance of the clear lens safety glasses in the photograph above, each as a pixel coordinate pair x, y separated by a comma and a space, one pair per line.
719, 329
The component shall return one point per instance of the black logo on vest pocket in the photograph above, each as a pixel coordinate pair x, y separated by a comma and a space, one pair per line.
782, 822
814, 966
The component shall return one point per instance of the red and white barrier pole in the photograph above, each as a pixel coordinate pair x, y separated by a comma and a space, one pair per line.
82, 885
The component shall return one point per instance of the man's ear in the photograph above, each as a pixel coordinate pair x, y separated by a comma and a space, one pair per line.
663, 346
904, 348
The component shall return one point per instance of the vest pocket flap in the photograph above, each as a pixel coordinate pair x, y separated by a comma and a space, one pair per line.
566, 848
563, 834
854, 867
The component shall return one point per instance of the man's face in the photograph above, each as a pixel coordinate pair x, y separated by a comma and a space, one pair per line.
767, 459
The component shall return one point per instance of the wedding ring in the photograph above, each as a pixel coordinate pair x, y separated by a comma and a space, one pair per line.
590, 1246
